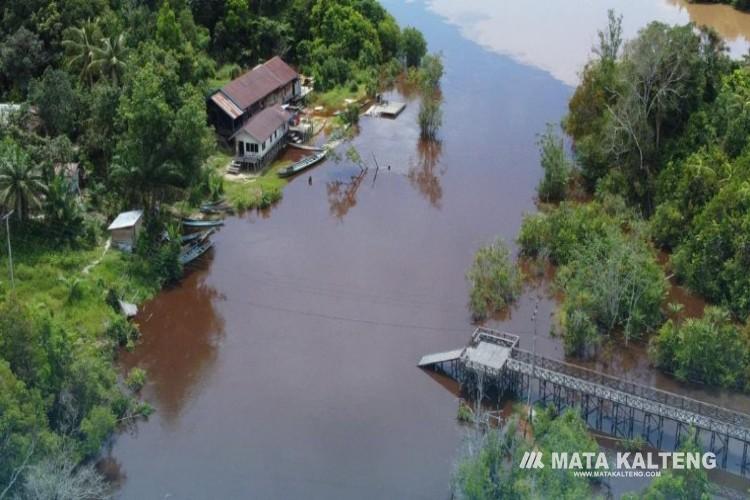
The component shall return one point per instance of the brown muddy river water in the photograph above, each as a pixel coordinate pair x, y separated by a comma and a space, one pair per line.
284, 365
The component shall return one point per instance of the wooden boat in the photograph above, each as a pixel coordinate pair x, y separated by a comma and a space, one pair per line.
201, 223
195, 251
215, 207
201, 235
306, 148
301, 165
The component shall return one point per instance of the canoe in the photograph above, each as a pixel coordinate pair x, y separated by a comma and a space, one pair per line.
215, 207
301, 165
195, 251
201, 235
201, 223
306, 148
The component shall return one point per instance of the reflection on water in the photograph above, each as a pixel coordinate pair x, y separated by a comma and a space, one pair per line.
731, 24
181, 333
557, 35
425, 174
287, 367
342, 194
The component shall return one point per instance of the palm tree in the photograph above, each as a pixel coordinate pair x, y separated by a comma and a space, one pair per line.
109, 58
21, 184
80, 49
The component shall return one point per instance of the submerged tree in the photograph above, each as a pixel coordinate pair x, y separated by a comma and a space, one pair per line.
494, 279
430, 115
555, 164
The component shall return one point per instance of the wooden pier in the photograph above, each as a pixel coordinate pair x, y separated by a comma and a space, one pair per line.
608, 404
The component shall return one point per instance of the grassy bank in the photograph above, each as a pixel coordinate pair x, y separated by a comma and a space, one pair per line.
247, 191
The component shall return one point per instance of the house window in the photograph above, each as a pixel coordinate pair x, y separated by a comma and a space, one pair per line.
253, 148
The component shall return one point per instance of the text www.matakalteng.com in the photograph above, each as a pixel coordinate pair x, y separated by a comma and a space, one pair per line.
617, 473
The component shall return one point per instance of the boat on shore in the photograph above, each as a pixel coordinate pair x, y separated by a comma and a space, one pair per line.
195, 251
201, 223
305, 147
215, 207
303, 164
200, 236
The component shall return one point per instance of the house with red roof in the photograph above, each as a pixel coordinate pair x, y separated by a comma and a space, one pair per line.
248, 110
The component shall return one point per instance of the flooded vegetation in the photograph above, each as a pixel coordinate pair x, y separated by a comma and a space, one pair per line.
284, 366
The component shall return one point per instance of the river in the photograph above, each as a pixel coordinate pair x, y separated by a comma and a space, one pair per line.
283, 365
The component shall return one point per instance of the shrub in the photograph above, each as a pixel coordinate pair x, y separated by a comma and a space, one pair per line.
350, 115
98, 424
715, 260
560, 233
710, 350
413, 45
556, 166
430, 116
494, 280
136, 379
617, 284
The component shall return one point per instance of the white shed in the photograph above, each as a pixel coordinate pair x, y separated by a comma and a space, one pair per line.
125, 229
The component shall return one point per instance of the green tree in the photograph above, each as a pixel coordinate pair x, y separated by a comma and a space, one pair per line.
165, 137
678, 484
79, 48
23, 424
22, 56
431, 71
556, 166
58, 102
494, 280
488, 467
711, 350
617, 283
21, 184
108, 58
62, 212
714, 260
413, 45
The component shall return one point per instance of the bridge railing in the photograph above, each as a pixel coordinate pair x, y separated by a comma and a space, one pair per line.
656, 395
495, 337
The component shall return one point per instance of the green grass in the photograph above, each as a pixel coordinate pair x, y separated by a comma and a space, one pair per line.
257, 192
335, 99
52, 279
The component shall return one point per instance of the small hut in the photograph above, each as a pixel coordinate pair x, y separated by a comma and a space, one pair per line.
125, 229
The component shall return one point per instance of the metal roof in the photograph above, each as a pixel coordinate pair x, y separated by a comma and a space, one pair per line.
126, 219
226, 105
261, 125
257, 83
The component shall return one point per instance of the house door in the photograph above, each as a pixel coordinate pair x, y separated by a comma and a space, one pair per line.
242, 148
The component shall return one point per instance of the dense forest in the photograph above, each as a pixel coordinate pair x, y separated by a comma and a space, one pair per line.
657, 190
117, 89
660, 131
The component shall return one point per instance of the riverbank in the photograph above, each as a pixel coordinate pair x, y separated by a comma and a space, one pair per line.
306, 323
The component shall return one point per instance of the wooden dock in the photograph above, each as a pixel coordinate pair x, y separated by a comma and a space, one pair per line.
387, 109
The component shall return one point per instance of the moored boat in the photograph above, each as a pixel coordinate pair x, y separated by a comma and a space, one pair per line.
303, 164
195, 251
201, 223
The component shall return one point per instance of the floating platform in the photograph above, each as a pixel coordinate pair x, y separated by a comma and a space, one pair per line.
388, 109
